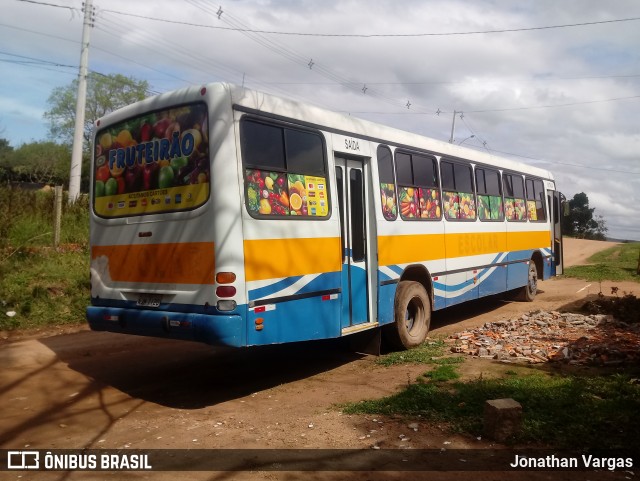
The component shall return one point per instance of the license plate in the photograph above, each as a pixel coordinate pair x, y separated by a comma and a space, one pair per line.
149, 300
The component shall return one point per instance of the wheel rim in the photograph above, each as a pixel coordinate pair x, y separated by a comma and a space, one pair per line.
413, 314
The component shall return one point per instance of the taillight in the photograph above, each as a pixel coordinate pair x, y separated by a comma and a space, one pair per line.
225, 291
225, 277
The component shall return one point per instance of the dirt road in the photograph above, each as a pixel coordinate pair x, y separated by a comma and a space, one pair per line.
101, 390
578, 251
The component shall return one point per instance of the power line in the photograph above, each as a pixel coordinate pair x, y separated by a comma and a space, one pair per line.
372, 35
236, 25
47, 4
38, 33
458, 82
570, 104
299, 59
33, 60
483, 111
554, 162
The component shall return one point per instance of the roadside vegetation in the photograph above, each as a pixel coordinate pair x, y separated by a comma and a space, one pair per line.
572, 411
41, 285
619, 263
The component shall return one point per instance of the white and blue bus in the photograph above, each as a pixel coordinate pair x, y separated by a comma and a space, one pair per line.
232, 217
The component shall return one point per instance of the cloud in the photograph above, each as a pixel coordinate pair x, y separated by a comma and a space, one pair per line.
505, 83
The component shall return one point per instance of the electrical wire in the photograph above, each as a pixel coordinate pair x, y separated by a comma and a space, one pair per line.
372, 35
256, 35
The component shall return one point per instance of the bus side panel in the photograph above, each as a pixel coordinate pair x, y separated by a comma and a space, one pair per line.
386, 296
460, 287
295, 320
493, 280
471, 260
517, 275
547, 269
396, 253
293, 284
522, 243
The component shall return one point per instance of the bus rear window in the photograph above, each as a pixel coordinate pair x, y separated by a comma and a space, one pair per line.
154, 163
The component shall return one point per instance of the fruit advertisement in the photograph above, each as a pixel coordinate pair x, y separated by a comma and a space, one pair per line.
515, 209
490, 207
467, 207
154, 163
429, 203
408, 203
419, 203
277, 193
451, 204
459, 205
531, 210
388, 200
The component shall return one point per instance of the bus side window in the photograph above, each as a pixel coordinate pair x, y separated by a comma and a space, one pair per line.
387, 183
418, 190
514, 204
285, 171
536, 209
488, 184
458, 197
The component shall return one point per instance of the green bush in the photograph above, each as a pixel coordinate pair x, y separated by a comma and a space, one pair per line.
42, 285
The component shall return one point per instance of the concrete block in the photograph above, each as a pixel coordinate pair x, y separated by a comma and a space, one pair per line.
502, 419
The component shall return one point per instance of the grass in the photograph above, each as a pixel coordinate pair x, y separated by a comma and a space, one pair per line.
562, 412
43, 286
618, 263
431, 352
585, 411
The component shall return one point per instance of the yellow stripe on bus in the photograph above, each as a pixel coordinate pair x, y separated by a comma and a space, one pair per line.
405, 249
180, 263
519, 241
277, 258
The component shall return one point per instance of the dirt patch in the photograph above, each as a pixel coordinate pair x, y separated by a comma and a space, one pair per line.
64, 389
577, 251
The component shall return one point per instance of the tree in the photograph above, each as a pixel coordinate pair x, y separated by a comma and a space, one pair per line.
580, 222
105, 93
5, 160
40, 162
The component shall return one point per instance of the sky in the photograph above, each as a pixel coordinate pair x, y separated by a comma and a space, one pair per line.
552, 84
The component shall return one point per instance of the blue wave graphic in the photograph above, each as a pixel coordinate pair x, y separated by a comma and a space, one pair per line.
325, 281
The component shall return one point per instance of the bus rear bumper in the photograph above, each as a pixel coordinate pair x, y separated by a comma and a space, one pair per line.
220, 330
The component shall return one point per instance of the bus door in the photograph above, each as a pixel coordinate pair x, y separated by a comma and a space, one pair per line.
350, 180
557, 267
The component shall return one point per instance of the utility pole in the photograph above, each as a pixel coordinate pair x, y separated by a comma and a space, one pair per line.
78, 137
453, 126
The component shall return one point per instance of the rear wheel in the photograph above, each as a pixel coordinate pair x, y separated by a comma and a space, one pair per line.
412, 312
529, 291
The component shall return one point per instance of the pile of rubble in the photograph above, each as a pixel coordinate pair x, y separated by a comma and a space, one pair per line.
541, 336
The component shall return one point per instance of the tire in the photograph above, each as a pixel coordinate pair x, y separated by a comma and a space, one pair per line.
529, 291
412, 314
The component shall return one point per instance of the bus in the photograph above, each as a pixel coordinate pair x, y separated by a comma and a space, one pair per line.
228, 216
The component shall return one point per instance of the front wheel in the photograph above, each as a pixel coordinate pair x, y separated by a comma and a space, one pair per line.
529, 291
412, 313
